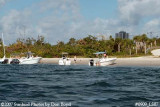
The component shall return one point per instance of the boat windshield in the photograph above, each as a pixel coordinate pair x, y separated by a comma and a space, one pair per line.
64, 55
99, 53
102, 54
29, 54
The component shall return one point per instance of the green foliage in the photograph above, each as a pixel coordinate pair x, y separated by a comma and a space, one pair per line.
83, 47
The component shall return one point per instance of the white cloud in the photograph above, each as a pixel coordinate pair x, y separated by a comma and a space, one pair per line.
58, 23
61, 20
15, 24
152, 26
3, 2
53, 20
133, 11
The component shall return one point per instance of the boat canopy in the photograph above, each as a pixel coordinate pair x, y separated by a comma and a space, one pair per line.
98, 53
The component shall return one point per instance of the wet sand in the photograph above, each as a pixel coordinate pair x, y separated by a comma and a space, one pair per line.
138, 61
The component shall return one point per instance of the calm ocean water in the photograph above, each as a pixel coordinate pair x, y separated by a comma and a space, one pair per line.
82, 86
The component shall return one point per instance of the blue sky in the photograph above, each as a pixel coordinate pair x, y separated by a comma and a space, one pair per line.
59, 20
92, 9
16, 4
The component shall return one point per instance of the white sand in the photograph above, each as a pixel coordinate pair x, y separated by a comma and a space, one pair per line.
136, 61
139, 61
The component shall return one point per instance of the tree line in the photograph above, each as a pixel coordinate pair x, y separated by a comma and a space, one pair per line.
85, 47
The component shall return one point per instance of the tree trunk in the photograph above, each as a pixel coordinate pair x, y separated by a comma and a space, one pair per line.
130, 52
136, 48
145, 50
155, 43
119, 47
151, 45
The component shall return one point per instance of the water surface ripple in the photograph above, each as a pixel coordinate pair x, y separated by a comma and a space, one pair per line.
83, 86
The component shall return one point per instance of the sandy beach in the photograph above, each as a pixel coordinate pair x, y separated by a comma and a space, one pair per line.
138, 61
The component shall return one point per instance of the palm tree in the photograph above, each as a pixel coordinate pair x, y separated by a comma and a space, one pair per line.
136, 40
140, 41
155, 42
130, 44
118, 41
144, 39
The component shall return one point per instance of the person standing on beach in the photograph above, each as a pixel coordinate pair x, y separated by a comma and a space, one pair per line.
75, 59
105, 55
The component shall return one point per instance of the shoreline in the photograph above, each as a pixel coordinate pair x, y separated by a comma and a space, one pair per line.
136, 61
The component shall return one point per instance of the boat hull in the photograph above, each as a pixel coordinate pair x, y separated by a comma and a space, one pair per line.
64, 62
107, 61
103, 62
34, 60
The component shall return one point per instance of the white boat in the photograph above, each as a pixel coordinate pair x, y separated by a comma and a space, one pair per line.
104, 61
107, 61
26, 60
2, 59
30, 59
64, 60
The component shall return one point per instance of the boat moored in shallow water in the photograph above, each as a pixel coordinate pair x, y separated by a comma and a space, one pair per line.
29, 59
104, 61
64, 60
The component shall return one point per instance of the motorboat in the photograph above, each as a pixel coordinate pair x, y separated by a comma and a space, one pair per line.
29, 59
104, 61
64, 60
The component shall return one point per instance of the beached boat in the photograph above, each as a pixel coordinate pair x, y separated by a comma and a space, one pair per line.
64, 60
104, 61
29, 59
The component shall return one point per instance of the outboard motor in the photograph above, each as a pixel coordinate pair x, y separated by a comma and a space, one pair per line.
91, 62
5, 61
15, 61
